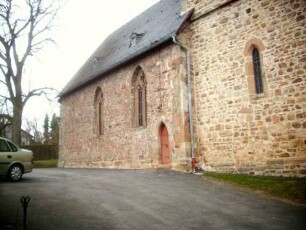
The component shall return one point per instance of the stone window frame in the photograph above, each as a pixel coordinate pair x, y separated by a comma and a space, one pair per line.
139, 95
256, 91
98, 112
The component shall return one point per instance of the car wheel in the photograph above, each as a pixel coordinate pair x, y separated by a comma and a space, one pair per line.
15, 173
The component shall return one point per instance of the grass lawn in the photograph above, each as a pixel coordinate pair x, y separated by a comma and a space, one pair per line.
293, 189
45, 163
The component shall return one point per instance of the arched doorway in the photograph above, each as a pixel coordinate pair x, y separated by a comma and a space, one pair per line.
164, 145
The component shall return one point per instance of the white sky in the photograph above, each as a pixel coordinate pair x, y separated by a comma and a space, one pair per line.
82, 26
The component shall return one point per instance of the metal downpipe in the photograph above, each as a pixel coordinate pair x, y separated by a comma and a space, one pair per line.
188, 67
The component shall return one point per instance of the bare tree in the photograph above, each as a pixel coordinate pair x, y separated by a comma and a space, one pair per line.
32, 127
24, 30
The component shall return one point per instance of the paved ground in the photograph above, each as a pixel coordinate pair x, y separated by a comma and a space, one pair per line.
139, 199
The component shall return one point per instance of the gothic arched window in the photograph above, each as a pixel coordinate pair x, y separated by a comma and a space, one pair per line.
256, 80
98, 124
257, 71
139, 93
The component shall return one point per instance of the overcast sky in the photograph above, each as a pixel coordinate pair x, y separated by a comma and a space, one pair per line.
81, 28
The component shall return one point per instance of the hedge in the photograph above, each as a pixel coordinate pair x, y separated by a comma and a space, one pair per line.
43, 152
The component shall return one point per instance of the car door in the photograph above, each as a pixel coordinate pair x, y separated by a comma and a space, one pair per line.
5, 157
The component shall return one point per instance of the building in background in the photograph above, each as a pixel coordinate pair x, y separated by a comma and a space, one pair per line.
26, 138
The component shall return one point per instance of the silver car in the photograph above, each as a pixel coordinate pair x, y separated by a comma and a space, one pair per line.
14, 161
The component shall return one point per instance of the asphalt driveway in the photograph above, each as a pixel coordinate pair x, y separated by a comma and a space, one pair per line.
139, 199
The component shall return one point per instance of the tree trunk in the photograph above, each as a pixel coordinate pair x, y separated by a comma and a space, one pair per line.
16, 123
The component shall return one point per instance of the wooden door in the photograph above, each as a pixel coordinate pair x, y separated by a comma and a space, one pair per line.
164, 140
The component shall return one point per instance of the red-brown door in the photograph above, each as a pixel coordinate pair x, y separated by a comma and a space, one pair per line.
164, 140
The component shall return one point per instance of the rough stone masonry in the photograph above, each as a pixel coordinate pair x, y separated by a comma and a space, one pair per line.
236, 129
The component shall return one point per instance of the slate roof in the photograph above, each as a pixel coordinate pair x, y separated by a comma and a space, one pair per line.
150, 29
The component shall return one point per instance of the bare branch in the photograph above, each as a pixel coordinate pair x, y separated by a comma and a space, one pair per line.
5, 99
6, 116
38, 45
4, 43
3, 82
22, 28
2, 56
37, 92
2, 67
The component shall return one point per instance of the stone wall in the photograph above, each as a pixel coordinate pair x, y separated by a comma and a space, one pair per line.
122, 145
237, 130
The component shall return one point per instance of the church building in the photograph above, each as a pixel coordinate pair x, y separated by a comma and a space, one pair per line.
194, 84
